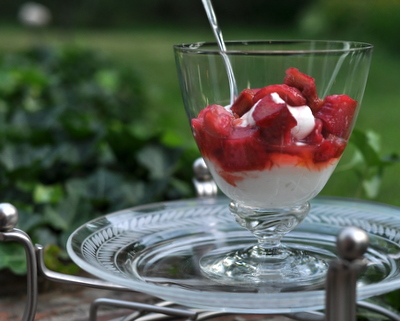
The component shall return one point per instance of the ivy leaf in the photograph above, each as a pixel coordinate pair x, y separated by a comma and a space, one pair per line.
74, 142
108, 80
44, 235
110, 191
52, 254
27, 221
17, 156
158, 160
8, 82
43, 194
13, 257
70, 211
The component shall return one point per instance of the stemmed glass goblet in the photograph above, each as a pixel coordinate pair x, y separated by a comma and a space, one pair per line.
274, 147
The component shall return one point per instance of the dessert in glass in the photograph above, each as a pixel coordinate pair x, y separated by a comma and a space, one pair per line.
271, 120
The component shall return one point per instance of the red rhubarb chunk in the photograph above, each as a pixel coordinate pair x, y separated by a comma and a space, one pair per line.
242, 151
306, 85
275, 121
290, 95
330, 148
243, 103
217, 121
197, 125
337, 114
315, 137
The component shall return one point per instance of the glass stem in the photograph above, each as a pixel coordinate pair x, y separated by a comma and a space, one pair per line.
269, 243
269, 225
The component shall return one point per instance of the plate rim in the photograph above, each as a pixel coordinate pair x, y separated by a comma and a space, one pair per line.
181, 295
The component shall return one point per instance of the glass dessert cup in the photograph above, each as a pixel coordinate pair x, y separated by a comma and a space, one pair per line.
271, 120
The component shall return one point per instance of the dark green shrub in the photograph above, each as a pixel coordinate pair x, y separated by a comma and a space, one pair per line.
73, 145
190, 14
362, 20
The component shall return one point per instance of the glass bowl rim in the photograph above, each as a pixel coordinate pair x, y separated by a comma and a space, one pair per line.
205, 47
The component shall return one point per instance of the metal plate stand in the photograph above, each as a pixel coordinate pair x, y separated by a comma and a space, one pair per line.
352, 243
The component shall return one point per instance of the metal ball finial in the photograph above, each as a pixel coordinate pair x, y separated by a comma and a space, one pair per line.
200, 170
8, 217
352, 243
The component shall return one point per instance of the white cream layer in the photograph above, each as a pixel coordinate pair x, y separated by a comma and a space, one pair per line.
279, 187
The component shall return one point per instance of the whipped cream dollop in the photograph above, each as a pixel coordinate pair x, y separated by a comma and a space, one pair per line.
247, 118
303, 115
305, 121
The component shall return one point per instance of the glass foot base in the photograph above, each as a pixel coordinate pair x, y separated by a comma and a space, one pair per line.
278, 269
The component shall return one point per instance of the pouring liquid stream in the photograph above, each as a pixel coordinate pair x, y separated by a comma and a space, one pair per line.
221, 44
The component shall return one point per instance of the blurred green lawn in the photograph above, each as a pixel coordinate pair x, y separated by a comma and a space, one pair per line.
149, 51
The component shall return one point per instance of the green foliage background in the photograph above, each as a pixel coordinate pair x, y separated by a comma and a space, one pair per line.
74, 145
125, 13
93, 120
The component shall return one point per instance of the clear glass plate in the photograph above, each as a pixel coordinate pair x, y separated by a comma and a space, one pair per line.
155, 249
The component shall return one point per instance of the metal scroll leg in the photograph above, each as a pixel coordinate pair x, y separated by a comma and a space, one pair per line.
190, 315
8, 233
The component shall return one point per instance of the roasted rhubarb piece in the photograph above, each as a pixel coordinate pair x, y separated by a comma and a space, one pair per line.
274, 128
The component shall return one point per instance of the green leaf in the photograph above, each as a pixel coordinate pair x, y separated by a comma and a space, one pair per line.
31, 76
391, 159
45, 235
151, 157
368, 144
52, 255
13, 257
8, 83
159, 161
43, 194
108, 80
173, 139
372, 185
16, 156
355, 161
141, 130
55, 218
106, 155
180, 189
70, 211
76, 143
27, 221
111, 191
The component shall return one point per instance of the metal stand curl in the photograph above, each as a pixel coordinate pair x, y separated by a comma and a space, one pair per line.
352, 243
8, 233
